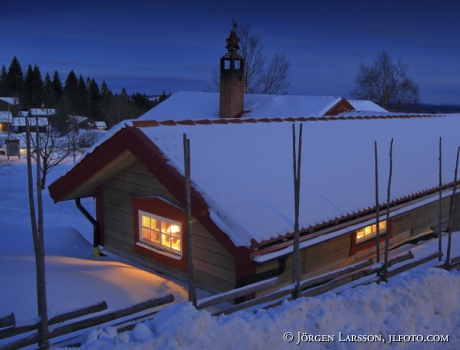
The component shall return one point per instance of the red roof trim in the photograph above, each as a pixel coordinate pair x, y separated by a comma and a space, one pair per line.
168, 122
144, 123
220, 121
147, 123
186, 122
203, 121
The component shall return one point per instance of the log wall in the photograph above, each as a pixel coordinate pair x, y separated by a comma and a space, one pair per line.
214, 266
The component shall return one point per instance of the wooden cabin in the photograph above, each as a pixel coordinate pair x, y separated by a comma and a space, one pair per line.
242, 198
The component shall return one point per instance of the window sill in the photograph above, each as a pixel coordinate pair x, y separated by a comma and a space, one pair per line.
159, 251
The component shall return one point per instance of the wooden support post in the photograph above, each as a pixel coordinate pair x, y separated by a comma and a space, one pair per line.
377, 206
191, 267
451, 212
440, 199
296, 254
387, 234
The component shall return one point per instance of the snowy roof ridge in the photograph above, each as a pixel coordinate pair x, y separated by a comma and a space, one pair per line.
148, 123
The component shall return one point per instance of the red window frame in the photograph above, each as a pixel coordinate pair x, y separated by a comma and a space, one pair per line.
357, 247
160, 207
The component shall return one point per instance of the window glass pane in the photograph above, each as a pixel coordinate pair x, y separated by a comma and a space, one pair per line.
145, 221
165, 227
146, 234
165, 240
155, 224
367, 230
382, 225
175, 244
359, 234
166, 234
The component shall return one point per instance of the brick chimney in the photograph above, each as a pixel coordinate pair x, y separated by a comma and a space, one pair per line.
232, 79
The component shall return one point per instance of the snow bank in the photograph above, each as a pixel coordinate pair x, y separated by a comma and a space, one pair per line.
420, 302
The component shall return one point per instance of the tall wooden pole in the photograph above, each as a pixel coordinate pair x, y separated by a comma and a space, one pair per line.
37, 235
191, 267
440, 199
377, 206
296, 254
451, 212
387, 234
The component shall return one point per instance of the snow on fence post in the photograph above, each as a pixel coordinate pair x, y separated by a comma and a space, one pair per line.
296, 253
377, 208
191, 267
387, 234
451, 212
440, 198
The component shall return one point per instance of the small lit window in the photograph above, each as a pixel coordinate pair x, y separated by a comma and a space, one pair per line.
160, 232
237, 64
369, 232
226, 64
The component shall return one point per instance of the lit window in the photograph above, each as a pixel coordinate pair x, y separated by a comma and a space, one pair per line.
369, 232
160, 232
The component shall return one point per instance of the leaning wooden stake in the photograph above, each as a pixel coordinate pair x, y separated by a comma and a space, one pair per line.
440, 199
296, 255
387, 234
37, 235
191, 268
377, 207
451, 213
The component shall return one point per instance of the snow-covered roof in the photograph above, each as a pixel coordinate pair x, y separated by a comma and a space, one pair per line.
185, 105
77, 118
244, 171
45, 111
10, 100
101, 124
21, 121
5, 116
366, 105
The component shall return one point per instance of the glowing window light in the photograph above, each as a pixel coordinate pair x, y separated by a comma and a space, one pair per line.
160, 232
370, 231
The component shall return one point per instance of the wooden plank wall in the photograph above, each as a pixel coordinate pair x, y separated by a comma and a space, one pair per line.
215, 267
335, 253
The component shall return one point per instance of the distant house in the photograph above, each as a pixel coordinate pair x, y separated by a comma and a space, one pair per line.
19, 124
242, 198
8, 103
5, 119
100, 125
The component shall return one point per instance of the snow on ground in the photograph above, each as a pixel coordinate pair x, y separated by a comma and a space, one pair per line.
420, 303
74, 277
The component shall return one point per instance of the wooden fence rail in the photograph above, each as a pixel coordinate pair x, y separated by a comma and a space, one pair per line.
30, 326
7, 320
90, 322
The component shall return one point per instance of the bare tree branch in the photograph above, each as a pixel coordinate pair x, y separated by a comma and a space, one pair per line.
386, 83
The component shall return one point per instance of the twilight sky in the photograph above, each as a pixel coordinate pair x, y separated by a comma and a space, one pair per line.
152, 45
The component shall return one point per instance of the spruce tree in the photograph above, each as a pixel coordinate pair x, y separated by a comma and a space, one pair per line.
71, 92
15, 79
28, 88
38, 90
57, 86
4, 91
82, 103
49, 99
94, 100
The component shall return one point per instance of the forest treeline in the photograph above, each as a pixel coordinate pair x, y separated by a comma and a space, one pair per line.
76, 96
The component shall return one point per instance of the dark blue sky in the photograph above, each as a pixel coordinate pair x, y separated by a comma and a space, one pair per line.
150, 46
